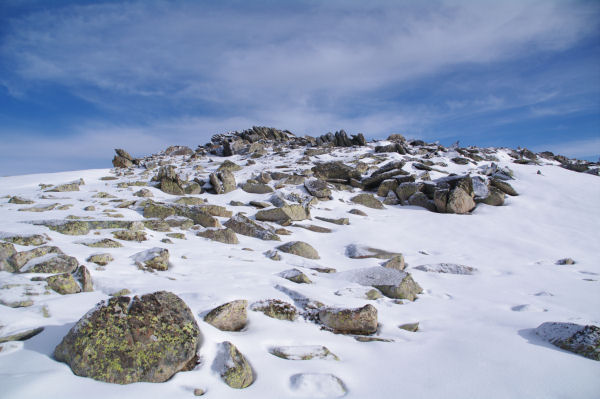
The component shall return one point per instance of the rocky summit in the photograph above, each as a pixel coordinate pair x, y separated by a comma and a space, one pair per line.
239, 264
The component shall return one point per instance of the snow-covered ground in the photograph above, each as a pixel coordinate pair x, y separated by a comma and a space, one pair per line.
475, 335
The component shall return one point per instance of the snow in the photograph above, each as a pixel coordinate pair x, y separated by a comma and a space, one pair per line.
479, 326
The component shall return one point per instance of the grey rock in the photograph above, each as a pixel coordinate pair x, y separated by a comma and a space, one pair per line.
355, 251
57, 263
100, 259
450, 268
459, 201
306, 352
154, 258
367, 200
243, 225
276, 309
299, 248
226, 236
233, 367
576, 338
284, 214
63, 283
230, 316
361, 321
335, 170
317, 188
296, 276
503, 186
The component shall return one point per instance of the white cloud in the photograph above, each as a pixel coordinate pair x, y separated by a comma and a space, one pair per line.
576, 148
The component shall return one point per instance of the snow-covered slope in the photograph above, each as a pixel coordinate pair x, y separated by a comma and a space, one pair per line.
475, 336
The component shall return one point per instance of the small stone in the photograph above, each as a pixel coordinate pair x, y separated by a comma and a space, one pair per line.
230, 316
144, 193
226, 236
296, 276
361, 321
339, 221
104, 243
276, 309
565, 261
357, 212
20, 200
412, 327
396, 262
199, 392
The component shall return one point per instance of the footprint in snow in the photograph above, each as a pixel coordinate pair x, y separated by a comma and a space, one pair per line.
528, 308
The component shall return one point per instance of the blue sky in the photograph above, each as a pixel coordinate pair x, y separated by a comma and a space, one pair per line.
79, 78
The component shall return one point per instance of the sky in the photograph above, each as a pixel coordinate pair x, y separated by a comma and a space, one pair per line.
80, 78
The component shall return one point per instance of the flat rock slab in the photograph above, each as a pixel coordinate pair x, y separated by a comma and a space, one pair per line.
306, 352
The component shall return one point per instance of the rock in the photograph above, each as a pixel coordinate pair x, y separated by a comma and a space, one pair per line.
317, 385
339, 221
222, 182
386, 186
6, 251
17, 304
395, 262
21, 335
450, 268
312, 227
124, 154
126, 340
391, 199
273, 255
412, 327
229, 166
376, 179
257, 188
27, 240
213, 210
128, 235
82, 274
104, 243
405, 190
20, 200
243, 225
61, 188
391, 282
317, 188
178, 150
226, 236
335, 170
73, 228
460, 161
154, 258
565, 261
503, 186
169, 181
121, 162
459, 201
362, 321
299, 248
41, 208
361, 252
284, 214
420, 199
440, 200
100, 259
199, 392
155, 210
233, 367
582, 340
276, 309
495, 197
19, 259
296, 276
357, 212
230, 316
63, 284
121, 292
306, 352
57, 263
144, 193
157, 225
199, 215
367, 200
373, 294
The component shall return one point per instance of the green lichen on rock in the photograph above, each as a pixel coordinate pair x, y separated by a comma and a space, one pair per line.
19, 259
307, 352
233, 367
155, 210
362, 321
58, 263
226, 236
128, 340
276, 309
230, 316
299, 248
101, 259
63, 284
20, 200
104, 243
367, 200
73, 228
128, 235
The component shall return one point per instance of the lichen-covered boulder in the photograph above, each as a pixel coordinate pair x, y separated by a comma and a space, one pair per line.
299, 248
295, 276
20, 259
6, 251
103, 243
63, 283
459, 201
57, 263
276, 309
317, 188
233, 367
367, 200
230, 316
129, 235
395, 262
27, 240
126, 340
154, 210
257, 188
362, 321
582, 340
73, 228
20, 200
226, 236
243, 225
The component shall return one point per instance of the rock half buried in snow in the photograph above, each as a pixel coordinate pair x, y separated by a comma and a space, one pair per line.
226, 236
155, 258
276, 309
230, 316
306, 352
233, 367
361, 321
284, 214
296, 276
450, 268
243, 225
355, 251
299, 248
391, 282
126, 340
582, 340
367, 200
317, 385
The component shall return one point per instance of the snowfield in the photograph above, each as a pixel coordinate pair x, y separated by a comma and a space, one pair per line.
475, 337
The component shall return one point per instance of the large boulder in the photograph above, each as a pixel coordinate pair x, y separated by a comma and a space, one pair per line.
233, 367
222, 182
230, 316
126, 340
170, 182
299, 248
317, 188
361, 321
582, 340
459, 201
503, 186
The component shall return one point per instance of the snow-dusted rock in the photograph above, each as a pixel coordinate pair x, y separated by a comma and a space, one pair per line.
583, 340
